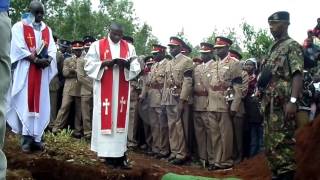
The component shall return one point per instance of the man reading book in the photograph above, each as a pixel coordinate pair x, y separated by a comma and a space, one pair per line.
33, 52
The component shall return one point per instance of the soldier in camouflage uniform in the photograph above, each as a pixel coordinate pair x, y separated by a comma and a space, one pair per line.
285, 64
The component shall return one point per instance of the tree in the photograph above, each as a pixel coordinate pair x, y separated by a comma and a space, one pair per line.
19, 6
255, 42
195, 50
143, 39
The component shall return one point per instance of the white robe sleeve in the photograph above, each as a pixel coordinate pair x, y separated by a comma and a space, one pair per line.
93, 63
135, 67
19, 48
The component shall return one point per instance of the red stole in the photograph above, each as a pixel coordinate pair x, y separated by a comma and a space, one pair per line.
107, 91
35, 73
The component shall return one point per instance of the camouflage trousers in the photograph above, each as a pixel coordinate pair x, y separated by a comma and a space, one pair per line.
279, 141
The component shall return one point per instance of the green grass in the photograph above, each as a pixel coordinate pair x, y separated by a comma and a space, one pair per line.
64, 147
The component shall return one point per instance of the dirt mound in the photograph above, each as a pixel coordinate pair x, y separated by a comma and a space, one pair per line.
60, 161
308, 151
255, 168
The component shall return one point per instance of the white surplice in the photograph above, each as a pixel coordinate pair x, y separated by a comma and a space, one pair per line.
114, 144
18, 116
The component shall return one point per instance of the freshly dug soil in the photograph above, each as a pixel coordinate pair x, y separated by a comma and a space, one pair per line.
308, 151
55, 166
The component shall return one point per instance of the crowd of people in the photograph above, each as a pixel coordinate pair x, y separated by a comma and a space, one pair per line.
216, 109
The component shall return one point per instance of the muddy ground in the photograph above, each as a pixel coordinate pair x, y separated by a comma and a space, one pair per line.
64, 161
66, 158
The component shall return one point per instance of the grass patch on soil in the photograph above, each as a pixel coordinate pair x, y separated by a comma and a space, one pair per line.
63, 146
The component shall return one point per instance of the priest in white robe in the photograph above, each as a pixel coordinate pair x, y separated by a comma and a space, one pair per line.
111, 63
29, 100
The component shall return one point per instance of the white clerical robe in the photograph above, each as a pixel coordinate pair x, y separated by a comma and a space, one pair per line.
114, 144
18, 116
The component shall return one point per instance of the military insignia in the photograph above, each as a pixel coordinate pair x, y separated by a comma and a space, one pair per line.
208, 75
218, 39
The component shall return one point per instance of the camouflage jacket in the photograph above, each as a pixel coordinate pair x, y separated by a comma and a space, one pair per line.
284, 59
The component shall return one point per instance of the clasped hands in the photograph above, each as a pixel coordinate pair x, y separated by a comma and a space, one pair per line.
39, 62
117, 61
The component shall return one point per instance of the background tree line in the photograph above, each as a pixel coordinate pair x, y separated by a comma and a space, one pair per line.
74, 19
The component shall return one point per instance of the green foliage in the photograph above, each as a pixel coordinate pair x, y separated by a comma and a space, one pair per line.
195, 50
19, 7
229, 33
141, 39
74, 19
63, 146
256, 43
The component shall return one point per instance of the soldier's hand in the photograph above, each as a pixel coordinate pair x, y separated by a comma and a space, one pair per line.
290, 111
180, 107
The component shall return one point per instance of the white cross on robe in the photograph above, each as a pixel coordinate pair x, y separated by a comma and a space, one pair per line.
122, 102
106, 104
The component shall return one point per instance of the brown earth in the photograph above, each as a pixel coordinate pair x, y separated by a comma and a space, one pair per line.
50, 165
308, 151
59, 162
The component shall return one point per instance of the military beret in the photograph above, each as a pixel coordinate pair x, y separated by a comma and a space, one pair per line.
158, 48
186, 48
222, 42
175, 41
206, 47
280, 16
235, 54
129, 39
64, 43
77, 44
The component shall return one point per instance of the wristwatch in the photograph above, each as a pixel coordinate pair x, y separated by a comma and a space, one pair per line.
293, 100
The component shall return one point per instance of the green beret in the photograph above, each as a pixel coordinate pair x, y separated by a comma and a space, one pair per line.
280, 16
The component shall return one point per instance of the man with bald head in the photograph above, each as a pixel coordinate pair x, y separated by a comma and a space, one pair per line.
111, 63
33, 51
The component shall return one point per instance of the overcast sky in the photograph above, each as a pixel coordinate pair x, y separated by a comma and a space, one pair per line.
199, 18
